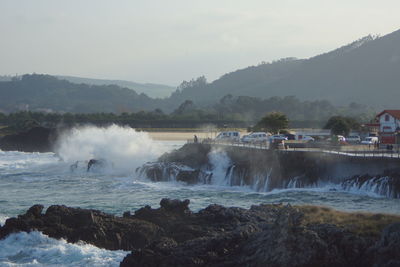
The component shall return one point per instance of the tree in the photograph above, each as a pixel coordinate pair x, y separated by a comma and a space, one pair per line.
342, 125
273, 122
185, 107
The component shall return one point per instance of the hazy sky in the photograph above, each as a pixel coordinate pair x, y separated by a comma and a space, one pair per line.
167, 41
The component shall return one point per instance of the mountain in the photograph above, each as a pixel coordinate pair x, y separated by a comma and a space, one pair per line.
365, 71
48, 93
150, 89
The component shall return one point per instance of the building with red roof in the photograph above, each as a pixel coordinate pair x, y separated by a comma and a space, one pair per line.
389, 126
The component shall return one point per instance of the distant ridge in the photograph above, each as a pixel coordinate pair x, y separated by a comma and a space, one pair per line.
39, 92
150, 89
366, 71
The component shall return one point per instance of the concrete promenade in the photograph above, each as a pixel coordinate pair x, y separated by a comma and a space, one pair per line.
344, 150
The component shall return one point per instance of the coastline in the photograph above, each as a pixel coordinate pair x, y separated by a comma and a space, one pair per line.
266, 234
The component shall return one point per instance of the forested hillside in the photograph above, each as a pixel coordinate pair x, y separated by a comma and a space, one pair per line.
359, 79
365, 71
47, 93
150, 89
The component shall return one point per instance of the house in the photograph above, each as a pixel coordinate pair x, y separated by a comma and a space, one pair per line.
389, 126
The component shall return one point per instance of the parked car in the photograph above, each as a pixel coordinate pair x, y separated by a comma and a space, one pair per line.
258, 137
353, 139
371, 140
341, 138
278, 137
307, 138
302, 137
231, 136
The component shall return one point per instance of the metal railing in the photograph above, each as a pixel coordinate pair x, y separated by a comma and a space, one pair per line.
349, 150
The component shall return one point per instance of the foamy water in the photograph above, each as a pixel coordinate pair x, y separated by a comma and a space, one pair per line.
123, 147
36, 249
42, 178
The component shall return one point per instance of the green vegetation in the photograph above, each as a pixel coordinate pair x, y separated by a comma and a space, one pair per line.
49, 94
361, 71
154, 119
342, 125
62, 101
273, 122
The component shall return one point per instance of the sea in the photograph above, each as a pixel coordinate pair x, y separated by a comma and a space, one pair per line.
62, 178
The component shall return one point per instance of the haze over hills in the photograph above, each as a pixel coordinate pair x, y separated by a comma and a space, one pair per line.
47, 93
150, 89
365, 71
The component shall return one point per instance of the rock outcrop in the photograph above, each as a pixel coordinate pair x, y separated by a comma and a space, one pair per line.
265, 170
36, 139
173, 235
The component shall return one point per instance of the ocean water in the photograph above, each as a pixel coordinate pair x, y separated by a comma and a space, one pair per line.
47, 178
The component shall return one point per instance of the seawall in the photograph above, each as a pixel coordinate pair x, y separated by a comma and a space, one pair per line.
264, 170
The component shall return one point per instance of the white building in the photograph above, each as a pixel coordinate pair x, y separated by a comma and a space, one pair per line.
389, 125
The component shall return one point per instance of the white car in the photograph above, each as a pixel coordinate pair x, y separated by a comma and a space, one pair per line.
353, 139
308, 138
370, 140
278, 137
258, 137
228, 136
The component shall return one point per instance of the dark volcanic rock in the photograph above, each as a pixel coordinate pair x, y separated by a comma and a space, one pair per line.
386, 252
280, 240
92, 226
172, 235
171, 171
37, 139
192, 155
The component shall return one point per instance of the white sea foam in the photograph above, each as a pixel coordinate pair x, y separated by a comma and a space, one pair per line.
14, 160
3, 219
220, 163
36, 249
123, 147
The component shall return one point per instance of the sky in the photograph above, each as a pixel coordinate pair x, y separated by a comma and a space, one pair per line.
168, 41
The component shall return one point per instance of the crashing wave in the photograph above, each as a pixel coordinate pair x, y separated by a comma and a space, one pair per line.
37, 249
381, 185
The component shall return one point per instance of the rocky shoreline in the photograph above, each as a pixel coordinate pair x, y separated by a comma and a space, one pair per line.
265, 170
36, 139
264, 235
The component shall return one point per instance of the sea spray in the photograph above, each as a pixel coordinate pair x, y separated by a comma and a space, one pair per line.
3, 219
220, 163
36, 249
123, 147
